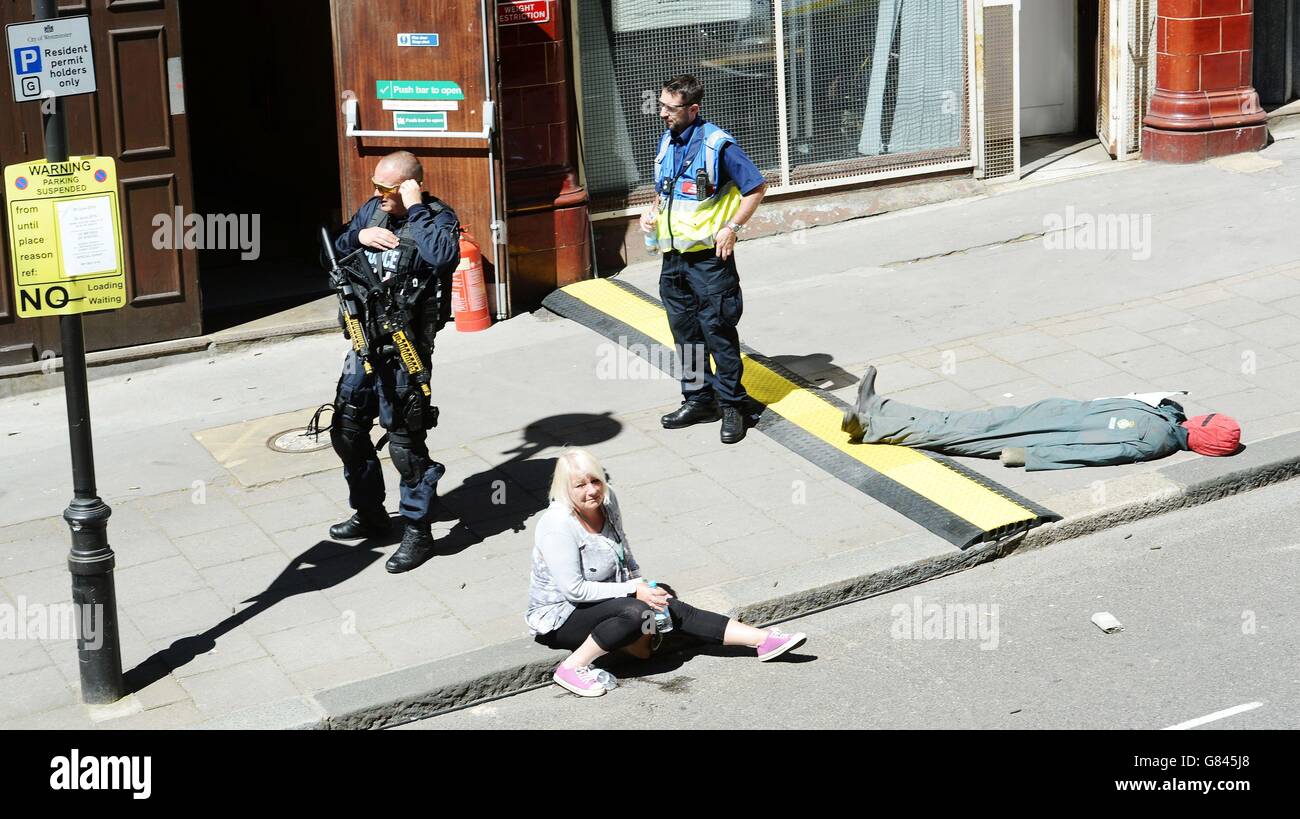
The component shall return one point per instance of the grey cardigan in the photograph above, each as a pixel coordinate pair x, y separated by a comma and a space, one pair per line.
572, 565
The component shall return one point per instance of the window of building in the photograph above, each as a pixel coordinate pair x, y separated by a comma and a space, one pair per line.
818, 92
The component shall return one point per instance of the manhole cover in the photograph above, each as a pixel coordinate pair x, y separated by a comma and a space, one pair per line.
299, 440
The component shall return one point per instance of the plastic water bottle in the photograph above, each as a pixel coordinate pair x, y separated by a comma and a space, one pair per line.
652, 236
606, 679
663, 623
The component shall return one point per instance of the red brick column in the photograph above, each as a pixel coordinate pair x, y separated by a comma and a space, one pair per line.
547, 208
1204, 105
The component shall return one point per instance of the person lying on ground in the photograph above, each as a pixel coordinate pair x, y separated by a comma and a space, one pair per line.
1055, 433
586, 593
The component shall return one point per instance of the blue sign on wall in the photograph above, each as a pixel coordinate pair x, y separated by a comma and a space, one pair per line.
418, 40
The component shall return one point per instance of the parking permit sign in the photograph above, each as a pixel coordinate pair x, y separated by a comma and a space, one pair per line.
50, 58
65, 236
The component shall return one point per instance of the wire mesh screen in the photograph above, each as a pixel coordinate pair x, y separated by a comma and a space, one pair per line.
1141, 78
999, 91
871, 86
1105, 33
874, 84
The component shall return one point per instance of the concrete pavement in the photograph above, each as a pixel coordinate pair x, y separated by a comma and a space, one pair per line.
237, 610
1009, 645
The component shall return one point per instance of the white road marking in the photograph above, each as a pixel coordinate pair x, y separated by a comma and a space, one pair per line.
1217, 715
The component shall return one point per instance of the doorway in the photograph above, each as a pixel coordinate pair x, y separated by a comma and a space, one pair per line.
1049, 79
1277, 54
264, 146
1058, 71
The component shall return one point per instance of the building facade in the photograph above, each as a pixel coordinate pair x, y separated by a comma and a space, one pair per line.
537, 119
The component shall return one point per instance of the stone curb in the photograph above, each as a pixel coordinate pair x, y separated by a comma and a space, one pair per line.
521, 665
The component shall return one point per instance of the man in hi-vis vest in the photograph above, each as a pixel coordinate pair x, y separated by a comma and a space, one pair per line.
706, 190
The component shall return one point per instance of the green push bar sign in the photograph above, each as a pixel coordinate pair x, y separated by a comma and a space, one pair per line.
418, 90
419, 120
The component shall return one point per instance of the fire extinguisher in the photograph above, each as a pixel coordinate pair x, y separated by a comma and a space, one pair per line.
469, 300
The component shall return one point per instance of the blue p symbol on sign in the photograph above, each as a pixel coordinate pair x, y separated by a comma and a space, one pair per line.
27, 60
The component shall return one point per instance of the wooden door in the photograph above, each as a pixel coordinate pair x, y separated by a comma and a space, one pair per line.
465, 173
131, 119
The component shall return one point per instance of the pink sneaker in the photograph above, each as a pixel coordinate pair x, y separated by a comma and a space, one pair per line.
581, 681
777, 644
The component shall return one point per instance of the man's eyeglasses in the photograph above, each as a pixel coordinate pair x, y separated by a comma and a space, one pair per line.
671, 107
386, 190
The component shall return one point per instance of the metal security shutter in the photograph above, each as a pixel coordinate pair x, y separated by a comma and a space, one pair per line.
817, 92
1140, 71
1126, 73
998, 89
1107, 70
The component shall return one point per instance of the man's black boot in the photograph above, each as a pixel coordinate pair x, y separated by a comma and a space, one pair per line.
362, 525
417, 547
690, 413
733, 425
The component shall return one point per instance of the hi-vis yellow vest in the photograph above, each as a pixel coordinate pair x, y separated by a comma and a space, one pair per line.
688, 216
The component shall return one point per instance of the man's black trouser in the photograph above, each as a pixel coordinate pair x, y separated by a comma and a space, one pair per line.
620, 621
403, 410
701, 294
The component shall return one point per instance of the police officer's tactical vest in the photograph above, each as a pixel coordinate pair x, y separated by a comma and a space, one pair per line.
689, 216
403, 258
425, 287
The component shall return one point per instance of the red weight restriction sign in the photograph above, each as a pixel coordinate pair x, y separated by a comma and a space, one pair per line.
523, 12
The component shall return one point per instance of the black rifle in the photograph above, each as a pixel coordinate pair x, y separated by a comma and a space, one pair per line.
386, 318
349, 305
395, 322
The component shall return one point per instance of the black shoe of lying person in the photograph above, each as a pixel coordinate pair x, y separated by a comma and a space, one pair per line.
417, 547
691, 413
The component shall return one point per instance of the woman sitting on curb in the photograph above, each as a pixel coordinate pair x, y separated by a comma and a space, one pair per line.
586, 593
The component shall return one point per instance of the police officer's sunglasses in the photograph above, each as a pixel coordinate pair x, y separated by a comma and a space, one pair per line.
386, 190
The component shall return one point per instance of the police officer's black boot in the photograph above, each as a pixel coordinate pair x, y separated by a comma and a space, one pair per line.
689, 413
733, 425
371, 523
417, 547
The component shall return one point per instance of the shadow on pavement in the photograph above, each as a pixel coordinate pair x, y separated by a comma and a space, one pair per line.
506, 496
485, 504
817, 368
323, 566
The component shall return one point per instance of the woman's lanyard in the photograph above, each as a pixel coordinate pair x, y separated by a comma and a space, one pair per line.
621, 551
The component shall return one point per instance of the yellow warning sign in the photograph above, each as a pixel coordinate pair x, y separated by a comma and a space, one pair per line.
65, 236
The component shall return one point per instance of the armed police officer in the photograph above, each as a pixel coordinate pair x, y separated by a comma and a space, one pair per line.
398, 254
706, 190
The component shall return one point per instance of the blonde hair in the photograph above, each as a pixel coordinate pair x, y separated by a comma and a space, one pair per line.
572, 462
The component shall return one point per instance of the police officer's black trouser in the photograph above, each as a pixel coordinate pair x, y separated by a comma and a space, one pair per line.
405, 412
701, 294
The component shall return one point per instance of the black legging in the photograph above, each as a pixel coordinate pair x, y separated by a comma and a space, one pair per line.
620, 621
